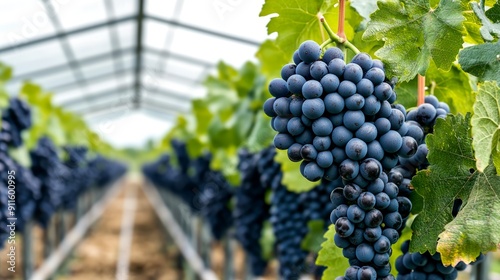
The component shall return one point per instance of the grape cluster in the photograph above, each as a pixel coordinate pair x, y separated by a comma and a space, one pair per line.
15, 119
426, 266
251, 210
215, 201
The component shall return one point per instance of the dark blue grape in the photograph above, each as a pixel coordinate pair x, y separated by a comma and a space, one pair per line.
366, 201
353, 120
348, 169
322, 127
383, 91
375, 150
295, 83
336, 66
373, 218
341, 135
371, 106
375, 75
355, 102
344, 227
352, 192
355, 214
309, 51
296, 106
391, 234
269, 107
303, 69
382, 245
334, 103
408, 148
385, 109
332, 53
431, 99
282, 107
370, 169
376, 186
339, 155
356, 149
324, 159
393, 220
367, 132
365, 87
278, 88
391, 141
294, 152
397, 119
322, 143
305, 138
308, 152
346, 89
313, 108
340, 241
287, 71
313, 172
426, 114
365, 252
383, 201
372, 234
283, 141
353, 72
312, 89
280, 124
337, 119
318, 70
296, 57
330, 83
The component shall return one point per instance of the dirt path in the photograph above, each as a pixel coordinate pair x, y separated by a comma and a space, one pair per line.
96, 257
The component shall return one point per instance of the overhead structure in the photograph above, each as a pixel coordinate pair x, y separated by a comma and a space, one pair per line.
102, 56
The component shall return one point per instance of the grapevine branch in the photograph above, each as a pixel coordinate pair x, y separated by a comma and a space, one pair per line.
336, 38
421, 90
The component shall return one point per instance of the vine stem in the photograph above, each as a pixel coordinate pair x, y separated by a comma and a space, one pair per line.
421, 90
336, 38
341, 31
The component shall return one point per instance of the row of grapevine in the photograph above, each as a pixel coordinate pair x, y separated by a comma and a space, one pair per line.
41, 172
396, 112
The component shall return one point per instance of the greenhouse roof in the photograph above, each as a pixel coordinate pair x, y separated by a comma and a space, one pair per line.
103, 57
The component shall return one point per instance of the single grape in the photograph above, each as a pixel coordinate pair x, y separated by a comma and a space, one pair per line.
353, 72
356, 237
322, 143
287, 71
397, 119
282, 107
303, 69
322, 127
383, 91
331, 173
373, 218
404, 206
330, 83
294, 126
375, 150
340, 241
391, 141
382, 245
305, 138
294, 152
308, 152
296, 106
332, 53
278, 88
363, 60
344, 227
312, 89
318, 70
353, 120
280, 124
426, 114
375, 75
295, 83
366, 201
352, 192
383, 200
324, 159
393, 220
355, 214
431, 99
376, 186
365, 87
313, 172
381, 259
371, 106
367, 132
365, 252
337, 119
370, 234
370, 169
269, 107
408, 148
309, 51
334, 103
385, 109
346, 88
378, 64
283, 141
348, 169
356, 149
336, 66
355, 102
296, 57
313, 108
339, 155
391, 234
341, 135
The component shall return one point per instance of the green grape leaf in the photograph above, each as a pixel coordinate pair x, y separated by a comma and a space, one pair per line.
476, 228
261, 135
312, 241
482, 61
450, 176
414, 33
272, 58
292, 179
364, 7
486, 125
297, 21
331, 256
493, 13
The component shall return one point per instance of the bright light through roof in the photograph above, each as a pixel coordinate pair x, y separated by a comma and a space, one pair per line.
182, 41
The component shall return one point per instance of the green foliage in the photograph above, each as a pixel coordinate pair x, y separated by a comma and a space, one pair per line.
312, 241
416, 33
331, 257
486, 126
272, 58
292, 179
297, 21
482, 61
364, 7
493, 13
452, 176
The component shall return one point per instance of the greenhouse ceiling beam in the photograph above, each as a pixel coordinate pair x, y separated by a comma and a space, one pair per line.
113, 37
203, 30
138, 55
64, 66
63, 41
68, 33
98, 78
94, 96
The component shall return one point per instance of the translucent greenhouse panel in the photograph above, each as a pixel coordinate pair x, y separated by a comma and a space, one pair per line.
170, 67
105, 66
68, 95
22, 23
238, 18
102, 86
34, 58
167, 104
155, 34
127, 34
112, 100
84, 44
117, 129
162, 8
123, 8
13, 88
56, 79
212, 49
76, 14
